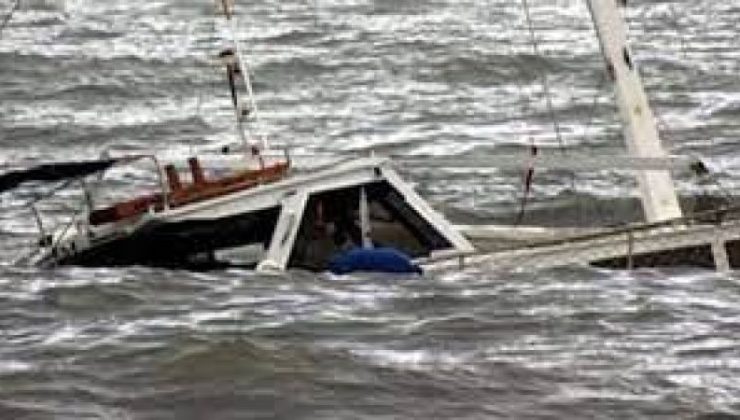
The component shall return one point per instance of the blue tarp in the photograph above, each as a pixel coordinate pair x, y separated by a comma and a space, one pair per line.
378, 260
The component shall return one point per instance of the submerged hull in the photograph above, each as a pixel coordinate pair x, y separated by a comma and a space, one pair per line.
685, 242
188, 244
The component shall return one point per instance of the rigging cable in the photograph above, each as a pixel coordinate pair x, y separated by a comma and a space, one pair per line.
6, 20
547, 92
528, 178
526, 106
543, 76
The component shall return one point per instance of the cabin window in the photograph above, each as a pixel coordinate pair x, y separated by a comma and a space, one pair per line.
202, 242
331, 224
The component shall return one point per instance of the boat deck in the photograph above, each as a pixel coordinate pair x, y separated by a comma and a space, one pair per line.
693, 242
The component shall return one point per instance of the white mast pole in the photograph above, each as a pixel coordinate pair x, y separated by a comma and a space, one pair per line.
657, 192
228, 9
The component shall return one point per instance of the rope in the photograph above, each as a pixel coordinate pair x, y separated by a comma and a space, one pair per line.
6, 20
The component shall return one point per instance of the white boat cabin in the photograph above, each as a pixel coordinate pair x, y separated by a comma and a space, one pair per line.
280, 219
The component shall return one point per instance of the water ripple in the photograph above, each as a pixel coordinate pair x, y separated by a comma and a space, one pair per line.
398, 77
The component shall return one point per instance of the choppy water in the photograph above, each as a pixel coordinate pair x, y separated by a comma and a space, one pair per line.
398, 77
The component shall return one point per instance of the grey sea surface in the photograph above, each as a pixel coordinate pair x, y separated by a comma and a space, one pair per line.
403, 78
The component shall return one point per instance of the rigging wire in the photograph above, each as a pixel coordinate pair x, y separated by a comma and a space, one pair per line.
543, 77
6, 20
547, 92
526, 106
524, 101
521, 101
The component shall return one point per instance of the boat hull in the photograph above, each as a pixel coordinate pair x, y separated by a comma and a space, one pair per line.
187, 244
678, 244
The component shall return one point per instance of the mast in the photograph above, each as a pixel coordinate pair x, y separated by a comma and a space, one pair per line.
237, 69
657, 192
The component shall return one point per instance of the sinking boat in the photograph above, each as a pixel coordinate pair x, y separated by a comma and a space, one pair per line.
271, 218
268, 214
257, 212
